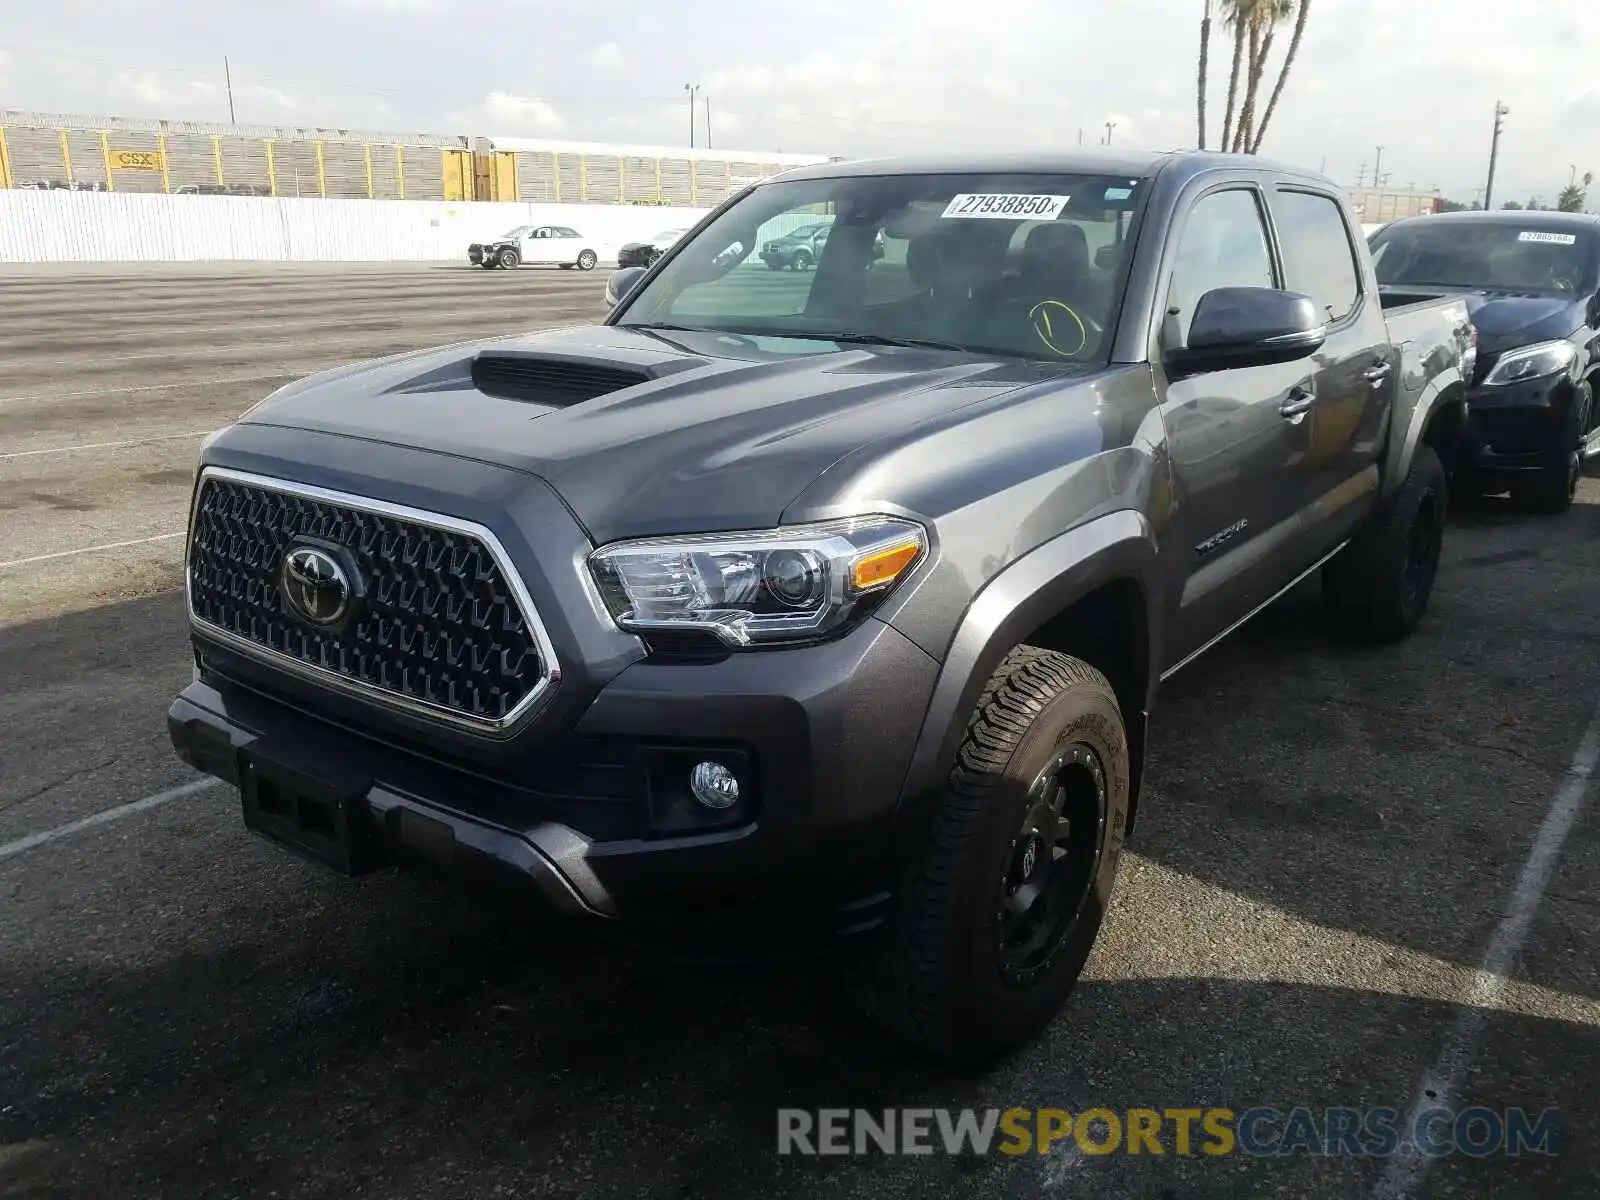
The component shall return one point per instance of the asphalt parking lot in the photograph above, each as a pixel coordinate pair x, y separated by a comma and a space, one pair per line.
1361, 876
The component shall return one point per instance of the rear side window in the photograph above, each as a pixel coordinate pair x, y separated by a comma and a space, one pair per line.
1317, 256
1223, 244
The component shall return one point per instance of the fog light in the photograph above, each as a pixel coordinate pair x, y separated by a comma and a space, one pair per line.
714, 785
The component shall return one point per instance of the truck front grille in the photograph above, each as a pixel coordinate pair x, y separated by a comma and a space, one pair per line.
440, 625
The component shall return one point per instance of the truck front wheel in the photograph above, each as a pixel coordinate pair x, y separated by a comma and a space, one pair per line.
995, 917
1377, 587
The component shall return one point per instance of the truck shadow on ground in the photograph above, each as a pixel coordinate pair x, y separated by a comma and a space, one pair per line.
416, 1050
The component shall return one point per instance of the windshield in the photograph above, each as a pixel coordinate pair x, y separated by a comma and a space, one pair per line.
666, 235
1502, 256
519, 231
1027, 266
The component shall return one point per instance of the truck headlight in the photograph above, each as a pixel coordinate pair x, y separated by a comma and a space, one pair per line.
1532, 362
798, 583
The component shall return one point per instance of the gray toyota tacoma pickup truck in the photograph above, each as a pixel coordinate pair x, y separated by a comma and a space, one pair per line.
832, 602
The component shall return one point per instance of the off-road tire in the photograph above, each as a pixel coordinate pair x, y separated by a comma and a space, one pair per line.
932, 975
1552, 489
1377, 588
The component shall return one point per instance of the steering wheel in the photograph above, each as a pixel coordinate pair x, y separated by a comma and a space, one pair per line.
1064, 330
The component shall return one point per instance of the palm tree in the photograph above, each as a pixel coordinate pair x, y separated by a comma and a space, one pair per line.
1234, 18
1262, 17
1205, 62
1302, 9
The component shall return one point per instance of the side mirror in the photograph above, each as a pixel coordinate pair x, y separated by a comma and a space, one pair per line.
1249, 327
621, 284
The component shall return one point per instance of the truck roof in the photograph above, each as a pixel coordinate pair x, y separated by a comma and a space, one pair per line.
1135, 164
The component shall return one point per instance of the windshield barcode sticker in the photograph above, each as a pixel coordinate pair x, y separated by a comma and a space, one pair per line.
1554, 239
1005, 206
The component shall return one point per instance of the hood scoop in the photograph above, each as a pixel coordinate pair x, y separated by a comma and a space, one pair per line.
550, 380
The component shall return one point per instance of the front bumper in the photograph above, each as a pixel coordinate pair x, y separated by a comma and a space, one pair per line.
1510, 430
597, 821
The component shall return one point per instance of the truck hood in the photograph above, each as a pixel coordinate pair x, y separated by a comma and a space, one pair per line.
1505, 322
710, 432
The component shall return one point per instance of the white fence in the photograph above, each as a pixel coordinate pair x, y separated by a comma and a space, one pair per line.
62, 226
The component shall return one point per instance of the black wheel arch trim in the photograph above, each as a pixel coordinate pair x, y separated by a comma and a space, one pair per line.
1444, 390
1119, 546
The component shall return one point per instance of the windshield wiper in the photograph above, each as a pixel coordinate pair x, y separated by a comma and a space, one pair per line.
669, 328
880, 339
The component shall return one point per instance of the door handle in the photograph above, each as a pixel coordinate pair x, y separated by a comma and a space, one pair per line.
1296, 404
1376, 373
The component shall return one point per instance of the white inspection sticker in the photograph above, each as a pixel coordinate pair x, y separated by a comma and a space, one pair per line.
1554, 239
1005, 206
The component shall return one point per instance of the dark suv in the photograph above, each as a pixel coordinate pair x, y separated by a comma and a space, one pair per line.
1531, 280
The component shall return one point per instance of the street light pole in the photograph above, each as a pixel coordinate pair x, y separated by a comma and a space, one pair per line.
1500, 111
1377, 169
691, 88
1110, 125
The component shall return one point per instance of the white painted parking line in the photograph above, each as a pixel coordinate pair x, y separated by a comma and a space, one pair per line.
34, 840
1439, 1084
165, 437
39, 558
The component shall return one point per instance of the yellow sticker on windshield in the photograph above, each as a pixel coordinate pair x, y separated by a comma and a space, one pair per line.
1005, 206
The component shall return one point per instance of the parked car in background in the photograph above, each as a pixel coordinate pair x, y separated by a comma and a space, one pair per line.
832, 606
1532, 282
645, 253
797, 250
541, 245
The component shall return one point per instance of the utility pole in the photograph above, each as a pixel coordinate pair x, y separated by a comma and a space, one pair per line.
691, 88
1110, 125
1361, 176
227, 76
1377, 169
708, 122
1500, 111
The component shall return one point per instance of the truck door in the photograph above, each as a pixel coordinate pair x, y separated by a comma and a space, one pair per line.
1353, 386
1237, 437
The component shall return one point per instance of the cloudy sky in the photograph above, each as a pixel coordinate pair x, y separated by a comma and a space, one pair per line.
841, 76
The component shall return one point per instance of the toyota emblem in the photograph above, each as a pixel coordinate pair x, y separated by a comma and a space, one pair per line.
316, 586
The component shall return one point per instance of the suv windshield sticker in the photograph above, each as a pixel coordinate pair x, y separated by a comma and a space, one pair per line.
1554, 239
1005, 206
